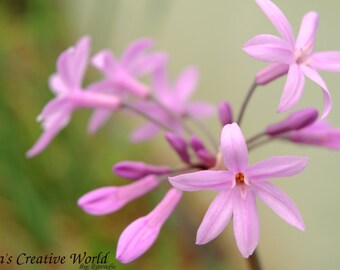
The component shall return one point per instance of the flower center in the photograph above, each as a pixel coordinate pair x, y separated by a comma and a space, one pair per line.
239, 178
302, 55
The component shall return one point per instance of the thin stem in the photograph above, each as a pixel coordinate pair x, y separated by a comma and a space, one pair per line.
207, 133
260, 143
256, 137
175, 117
246, 101
143, 114
254, 262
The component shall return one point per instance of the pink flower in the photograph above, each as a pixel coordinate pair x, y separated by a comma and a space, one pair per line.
66, 84
293, 57
175, 98
122, 76
295, 121
107, 200
238, 188
320, 133
140, 235
136, 170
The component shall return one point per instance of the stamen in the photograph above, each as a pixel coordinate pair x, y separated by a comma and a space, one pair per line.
239, 178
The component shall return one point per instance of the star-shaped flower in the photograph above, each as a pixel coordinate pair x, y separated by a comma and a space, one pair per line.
66, 84
293, 57
175, 98
238, 187
122, 76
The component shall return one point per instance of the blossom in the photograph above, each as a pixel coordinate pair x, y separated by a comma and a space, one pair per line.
135, 169
320, 133
140, 235
122, 76
66, 85
237, 190
107, 200
296, 58
295, 121
175, 99
225, 113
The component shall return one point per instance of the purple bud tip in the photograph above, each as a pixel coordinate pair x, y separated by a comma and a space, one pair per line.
179, 145
225, 113
196, 143
136, 170
295, 121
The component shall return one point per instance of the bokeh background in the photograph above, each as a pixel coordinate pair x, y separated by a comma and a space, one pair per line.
38, 210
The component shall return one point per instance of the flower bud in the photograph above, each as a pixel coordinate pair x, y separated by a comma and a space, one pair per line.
140, 235
179, 145
107, 200
225, 113
136, 170
202, 152
271, 73
294, 121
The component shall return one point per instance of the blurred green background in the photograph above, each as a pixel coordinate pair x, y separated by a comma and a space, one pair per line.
38, 210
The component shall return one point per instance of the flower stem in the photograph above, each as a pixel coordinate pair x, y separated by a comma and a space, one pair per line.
246, 101
260, 143
254, 262
179, 120
256, 137
141, 113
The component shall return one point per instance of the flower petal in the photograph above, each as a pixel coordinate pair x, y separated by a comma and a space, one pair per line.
144, 132
203, 180
278, 19
246, 222
199, 109
148, 63
276, 167
234, 149
327, 99
58, 122
160, 81
293, 88
280, 203
271, 73
80, 59
216, 218
135, 50
104, 61
107, 200
269, 48
98, 119
140, 235
308, 28
328, 61
186, 84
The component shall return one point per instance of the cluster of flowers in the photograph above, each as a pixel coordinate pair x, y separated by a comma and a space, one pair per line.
166, 107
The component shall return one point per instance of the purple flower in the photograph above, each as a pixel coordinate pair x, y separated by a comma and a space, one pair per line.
179, 145
225, 113
204, 155
66, 84
107, 200
238, 187
140, 235
295, 121
293, 57
320, 133
137, 170
122, 76
175, 98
